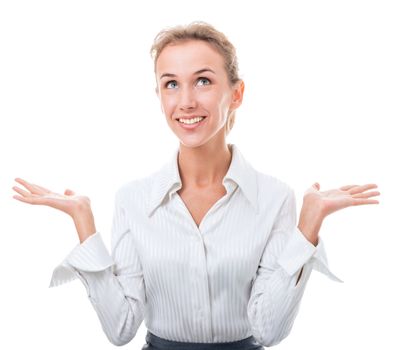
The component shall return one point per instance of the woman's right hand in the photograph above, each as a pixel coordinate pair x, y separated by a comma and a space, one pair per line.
78, 207
67, 202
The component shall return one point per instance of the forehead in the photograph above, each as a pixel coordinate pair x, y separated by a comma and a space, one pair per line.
188, 57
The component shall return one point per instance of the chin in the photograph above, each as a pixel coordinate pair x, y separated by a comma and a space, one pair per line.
190, 143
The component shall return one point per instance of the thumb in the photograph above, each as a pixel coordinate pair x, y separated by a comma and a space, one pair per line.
316, 185
69, 192
312, 189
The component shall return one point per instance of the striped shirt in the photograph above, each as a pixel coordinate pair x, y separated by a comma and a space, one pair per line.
231, 277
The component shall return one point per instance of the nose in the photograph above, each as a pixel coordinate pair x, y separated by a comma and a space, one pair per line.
187, 99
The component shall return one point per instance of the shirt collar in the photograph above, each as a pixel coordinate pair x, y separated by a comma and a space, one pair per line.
167, 180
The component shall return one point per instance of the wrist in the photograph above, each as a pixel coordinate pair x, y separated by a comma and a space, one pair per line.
309, 234
310, 221
84, 223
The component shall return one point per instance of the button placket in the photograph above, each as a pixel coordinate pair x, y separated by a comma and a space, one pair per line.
203, 304
205, 309
197, 280
199, 283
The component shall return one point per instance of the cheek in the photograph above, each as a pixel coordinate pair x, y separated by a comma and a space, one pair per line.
220, 104
210, 101
226, 99
168, 103
165, 104
218, 98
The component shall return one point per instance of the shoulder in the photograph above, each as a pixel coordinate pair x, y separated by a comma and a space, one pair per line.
272, 184
273, 190
134, 191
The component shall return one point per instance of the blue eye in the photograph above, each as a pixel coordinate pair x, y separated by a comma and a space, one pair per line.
172, 81
199, 79
202, 78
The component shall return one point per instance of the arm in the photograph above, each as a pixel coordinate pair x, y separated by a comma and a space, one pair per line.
114, 284
319, 204
277, 289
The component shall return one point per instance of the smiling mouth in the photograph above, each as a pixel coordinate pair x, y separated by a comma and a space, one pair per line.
191, 127
190, 121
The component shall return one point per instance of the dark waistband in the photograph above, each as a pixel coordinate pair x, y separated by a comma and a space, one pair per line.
249, 343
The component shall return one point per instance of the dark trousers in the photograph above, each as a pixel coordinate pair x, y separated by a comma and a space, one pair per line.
156, 343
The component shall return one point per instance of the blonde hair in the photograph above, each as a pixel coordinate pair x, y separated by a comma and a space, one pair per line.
199, 30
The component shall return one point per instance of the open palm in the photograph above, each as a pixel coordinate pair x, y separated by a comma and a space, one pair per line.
35, 194
350, 195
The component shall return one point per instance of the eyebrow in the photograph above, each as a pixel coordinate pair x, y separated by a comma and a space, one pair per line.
197, 72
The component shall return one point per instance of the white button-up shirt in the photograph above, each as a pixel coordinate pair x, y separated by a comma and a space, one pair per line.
232, 277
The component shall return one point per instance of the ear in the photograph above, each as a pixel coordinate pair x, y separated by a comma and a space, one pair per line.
238, 94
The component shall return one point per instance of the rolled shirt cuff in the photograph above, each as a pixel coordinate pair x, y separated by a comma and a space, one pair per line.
91, 255
300, 251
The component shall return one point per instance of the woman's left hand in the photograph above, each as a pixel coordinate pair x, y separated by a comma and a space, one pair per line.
319, 204
332, 200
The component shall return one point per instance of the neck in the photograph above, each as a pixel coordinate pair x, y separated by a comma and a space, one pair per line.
204, 166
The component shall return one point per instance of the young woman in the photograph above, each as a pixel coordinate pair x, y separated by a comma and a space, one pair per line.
206, 250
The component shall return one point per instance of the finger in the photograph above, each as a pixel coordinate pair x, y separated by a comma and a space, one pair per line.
362, 201
42, 188
366, 194
28, 185
22, 199
28, 197
363, 188
31, 186
21, 191
30, 200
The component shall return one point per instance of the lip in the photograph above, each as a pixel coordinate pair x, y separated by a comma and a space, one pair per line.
192, 126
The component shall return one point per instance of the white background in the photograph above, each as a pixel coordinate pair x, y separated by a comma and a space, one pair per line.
78, 110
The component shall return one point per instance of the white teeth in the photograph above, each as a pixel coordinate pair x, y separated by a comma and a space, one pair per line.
190, 121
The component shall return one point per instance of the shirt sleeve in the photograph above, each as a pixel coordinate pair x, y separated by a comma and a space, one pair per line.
275, 295
114, 283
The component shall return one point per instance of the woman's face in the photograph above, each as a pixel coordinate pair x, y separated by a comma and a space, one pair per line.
192, 82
